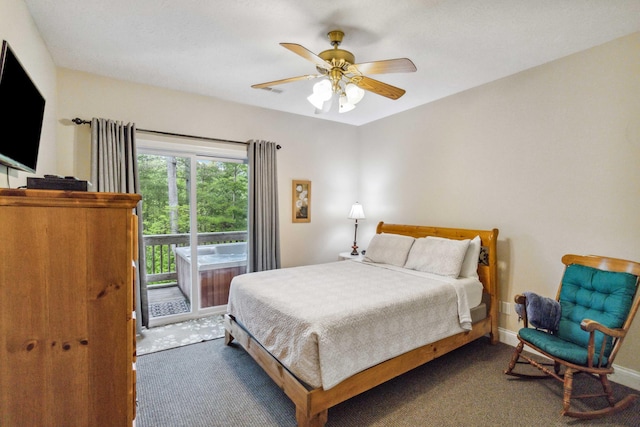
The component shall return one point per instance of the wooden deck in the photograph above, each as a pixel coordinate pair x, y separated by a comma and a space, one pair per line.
166, 300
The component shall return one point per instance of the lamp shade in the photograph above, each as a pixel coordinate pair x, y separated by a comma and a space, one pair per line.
354, 93
322, 89
345, 105
321, 94
357, 212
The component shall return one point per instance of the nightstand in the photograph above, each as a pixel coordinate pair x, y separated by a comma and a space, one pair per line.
347, 255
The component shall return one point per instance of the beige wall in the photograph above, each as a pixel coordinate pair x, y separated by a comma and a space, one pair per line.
317, 150
548, 156
17, 28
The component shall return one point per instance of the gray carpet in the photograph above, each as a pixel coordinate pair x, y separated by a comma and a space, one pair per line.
210, 384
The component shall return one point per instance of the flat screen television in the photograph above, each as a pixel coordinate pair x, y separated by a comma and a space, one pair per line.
21, 113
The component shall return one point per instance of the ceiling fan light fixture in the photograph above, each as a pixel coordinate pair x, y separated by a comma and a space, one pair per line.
345, 105
326, 106
342, 76
315, 101
322, 92
323, 89
354, 93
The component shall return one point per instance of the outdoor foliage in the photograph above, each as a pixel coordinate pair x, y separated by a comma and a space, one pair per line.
222, 196
221, 191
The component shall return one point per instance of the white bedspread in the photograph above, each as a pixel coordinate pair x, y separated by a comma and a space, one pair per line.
328, 322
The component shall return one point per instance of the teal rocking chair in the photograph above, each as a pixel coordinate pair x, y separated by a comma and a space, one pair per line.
597, 296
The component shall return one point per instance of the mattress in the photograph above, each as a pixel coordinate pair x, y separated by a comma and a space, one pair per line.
326, 322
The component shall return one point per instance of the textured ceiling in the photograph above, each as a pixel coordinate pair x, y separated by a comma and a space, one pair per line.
220, 48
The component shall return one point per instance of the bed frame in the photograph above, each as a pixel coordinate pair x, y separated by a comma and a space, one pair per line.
312, 405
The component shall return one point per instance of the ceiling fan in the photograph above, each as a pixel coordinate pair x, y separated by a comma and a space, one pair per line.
343, 76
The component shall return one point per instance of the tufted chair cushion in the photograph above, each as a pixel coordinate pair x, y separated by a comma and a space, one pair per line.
587, 293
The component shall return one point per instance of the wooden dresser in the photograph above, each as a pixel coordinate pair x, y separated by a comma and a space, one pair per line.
67, 322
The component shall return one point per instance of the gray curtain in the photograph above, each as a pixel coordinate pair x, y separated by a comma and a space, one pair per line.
263, 228
114, 169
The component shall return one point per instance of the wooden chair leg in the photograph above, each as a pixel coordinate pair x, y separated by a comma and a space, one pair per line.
606, 387
515, 357
608, 393
568, 388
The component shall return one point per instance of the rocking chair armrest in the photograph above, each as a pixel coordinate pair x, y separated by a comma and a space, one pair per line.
591, 325
520, 299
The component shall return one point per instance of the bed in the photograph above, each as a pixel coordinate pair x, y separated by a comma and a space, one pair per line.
328, 332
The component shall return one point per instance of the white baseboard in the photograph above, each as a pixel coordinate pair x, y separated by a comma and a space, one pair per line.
622, 375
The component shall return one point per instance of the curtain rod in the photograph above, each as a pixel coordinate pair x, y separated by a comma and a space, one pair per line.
79, 121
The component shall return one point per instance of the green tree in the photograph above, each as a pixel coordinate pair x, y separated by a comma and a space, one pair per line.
221, 190
222, 196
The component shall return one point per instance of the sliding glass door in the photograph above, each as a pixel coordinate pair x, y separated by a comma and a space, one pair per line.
165, 186
194, 214
221, 221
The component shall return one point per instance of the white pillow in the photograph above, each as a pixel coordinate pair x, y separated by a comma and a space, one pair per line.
389, 249
470, 263
437, 255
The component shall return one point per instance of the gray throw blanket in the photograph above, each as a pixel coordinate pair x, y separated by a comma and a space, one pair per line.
542, 312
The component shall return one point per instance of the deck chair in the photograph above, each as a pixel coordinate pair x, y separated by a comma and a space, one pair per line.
598, 302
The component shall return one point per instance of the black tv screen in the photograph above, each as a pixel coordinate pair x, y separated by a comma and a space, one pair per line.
21, 113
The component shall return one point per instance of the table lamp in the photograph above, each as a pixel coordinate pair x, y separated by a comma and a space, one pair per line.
356, 213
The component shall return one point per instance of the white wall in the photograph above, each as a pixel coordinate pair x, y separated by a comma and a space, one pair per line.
17, 28
317, 150
548, 156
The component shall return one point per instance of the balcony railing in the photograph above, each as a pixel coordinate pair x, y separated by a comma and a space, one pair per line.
160, 256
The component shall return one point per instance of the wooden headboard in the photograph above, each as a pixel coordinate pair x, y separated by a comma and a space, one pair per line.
488, 273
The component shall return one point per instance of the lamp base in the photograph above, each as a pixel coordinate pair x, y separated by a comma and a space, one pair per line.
354, 252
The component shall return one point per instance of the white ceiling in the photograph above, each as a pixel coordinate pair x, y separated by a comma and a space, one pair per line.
220, 48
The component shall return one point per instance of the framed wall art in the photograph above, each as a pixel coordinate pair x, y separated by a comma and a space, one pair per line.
301, 201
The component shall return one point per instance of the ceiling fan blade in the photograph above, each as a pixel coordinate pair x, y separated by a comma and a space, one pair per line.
307, 54
400, 65
289, 80
378, 87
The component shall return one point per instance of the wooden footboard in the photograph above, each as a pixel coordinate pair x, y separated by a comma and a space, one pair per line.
312, 405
